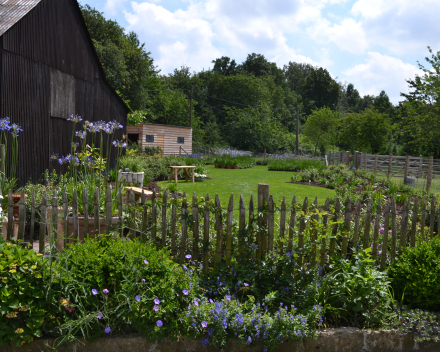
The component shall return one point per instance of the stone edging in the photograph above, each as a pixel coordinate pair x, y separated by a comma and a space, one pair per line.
328, 340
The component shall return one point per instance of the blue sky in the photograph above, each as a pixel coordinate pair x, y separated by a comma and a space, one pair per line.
374, 44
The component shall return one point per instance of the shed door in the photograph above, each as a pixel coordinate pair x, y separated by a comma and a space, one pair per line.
160, 141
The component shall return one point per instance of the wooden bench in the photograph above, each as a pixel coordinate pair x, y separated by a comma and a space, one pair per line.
176, 169
138, 193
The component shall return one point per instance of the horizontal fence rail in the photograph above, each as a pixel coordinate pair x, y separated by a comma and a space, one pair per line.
212, 233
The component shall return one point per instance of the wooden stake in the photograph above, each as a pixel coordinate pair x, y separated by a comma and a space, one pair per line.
229, 230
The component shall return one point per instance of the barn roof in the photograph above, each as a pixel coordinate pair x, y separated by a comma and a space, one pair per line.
12, 11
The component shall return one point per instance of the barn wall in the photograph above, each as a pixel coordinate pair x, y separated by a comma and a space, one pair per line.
168, 142
52, 41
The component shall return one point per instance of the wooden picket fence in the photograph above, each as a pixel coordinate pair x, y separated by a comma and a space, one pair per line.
390, 165
186, 228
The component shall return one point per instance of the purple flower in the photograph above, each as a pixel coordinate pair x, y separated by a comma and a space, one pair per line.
94, 291
204, 324
382, 231
156, 308
188, 256
185, 292
105, 290
99, 316
137, 298
211, 301
244, 283
159, 323
196, 303
184, 266
143, 280
107, 330
156, 301
145, 262
228, 298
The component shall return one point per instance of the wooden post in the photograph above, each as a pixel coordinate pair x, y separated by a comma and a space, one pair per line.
121, 224
390, 165
367, 225
346, 226
347, 158
219, 228
3, 160
21, 216
302, 227
206, 235
53, 236
75, 213
251, 215
229, 230
414, 222
376, 230
154, 216
263, 197
385, 235
108, 209
375, 164
356, 155
405, 171
131, 203
65, 215
282, 226
335, 229
271, 223
96, 212
404, 225
184, 230
164, 218
324, 230
365, 161
429, 176
241, 227
291, 225
10, 216
393, 229
357, 215
173, 225
32, 230
195, 226
43, 221
432, 218
420, 166
423, 220
85, 198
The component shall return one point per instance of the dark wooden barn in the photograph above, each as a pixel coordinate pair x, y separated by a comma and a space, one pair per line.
50, 70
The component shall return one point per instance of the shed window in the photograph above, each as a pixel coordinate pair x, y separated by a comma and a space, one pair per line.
181, 140
150, 138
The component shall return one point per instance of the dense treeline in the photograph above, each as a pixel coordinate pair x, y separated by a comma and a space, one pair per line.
252, 105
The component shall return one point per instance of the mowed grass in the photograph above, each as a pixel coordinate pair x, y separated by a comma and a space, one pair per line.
245, 182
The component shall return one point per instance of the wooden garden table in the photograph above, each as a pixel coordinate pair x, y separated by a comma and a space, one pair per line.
176, 169
138, 193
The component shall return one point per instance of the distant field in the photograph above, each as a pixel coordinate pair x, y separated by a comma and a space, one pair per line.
245, 181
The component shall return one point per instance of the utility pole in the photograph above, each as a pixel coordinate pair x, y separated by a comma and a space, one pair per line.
191, 107
297, 130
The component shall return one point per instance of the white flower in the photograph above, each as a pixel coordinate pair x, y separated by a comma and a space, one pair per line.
199, 175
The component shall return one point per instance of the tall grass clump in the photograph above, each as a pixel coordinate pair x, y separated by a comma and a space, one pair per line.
294, 164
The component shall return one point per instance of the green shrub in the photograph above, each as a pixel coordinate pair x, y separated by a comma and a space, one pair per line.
116, 284
416, 275
157, 150
294, 164
22, 293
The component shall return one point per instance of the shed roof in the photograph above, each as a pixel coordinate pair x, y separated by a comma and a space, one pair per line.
12, 11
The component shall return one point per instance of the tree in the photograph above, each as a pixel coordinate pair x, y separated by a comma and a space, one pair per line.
225, 66
367, 131
296, 75
320, 127
258, 65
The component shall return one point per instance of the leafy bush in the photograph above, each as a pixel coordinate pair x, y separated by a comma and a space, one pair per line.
294, 164
416, 275
157, 150
110, 285
22, 293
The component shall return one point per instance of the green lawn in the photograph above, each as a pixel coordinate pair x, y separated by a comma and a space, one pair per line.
245, 181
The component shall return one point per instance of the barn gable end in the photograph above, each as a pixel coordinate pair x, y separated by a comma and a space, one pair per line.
51, 70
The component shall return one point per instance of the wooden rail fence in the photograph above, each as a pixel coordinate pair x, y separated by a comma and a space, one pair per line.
184, 226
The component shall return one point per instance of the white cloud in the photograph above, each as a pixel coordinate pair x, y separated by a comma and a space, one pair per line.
381, 72
112, 7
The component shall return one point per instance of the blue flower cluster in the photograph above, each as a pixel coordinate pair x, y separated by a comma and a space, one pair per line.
6, 126
232, 152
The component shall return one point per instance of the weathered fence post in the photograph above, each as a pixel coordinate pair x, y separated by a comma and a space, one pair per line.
263, 197
154, 216
241, 226
10, 215
291, 225
43, 221
164, 218
75, 213
302, 227
331, 250
96, 222
173, 225
229, 230
423, 220
385, 235
65, 219
390, 165
85, 198
206, 235
3, 160
420, 166
251, 216
393, 228
270, 223
357, 215
131, 203
404, 225
219, 228
108, 209
414, 222
367, 225
324, 231
282, 226
405, 171
54, 233
356, 156
120, 222
195, 226
429, 176
347, 158
21, 216
432, 217
32, 230
375, 164
376, 230
184, 230
346, 226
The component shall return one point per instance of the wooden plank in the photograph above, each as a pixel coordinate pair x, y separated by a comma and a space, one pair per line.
108, 210
65, 218
85, 198
376, 230
385, 235
393, 228
184, 235
282, 226
291, 225
206, 234
324, 232
432, 218
251, 217
404, 225
53, 236
10, 215
131, 203
173, 225
229, 230
302, 227
367, 225
241, 227
75, 214
263, 197
195, 227
357, 215
219, 228
335, 229
414, 222
96, 211
43, 223
32, 229
120, 215
22, 216
423, 220
154, 217
346, 227
270, 223
164, 220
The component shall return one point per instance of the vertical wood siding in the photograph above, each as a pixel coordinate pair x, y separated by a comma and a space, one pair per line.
51, 36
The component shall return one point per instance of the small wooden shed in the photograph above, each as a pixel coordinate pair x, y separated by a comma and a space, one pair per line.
49, 70
173, 140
